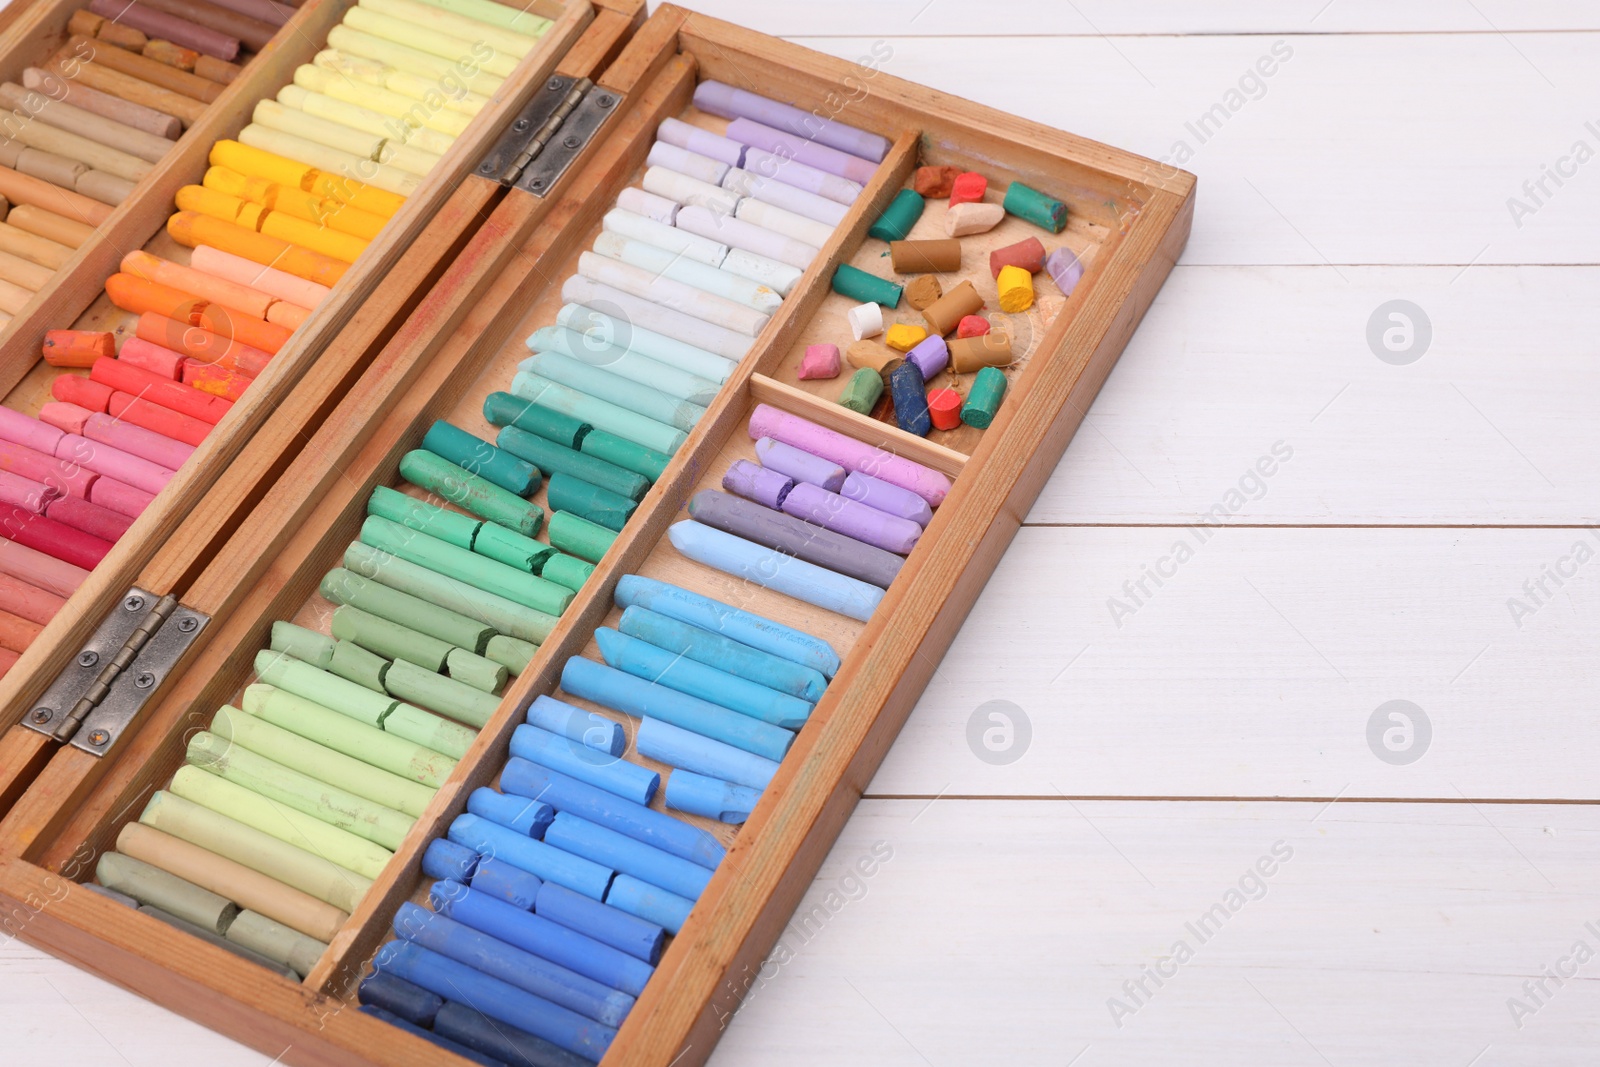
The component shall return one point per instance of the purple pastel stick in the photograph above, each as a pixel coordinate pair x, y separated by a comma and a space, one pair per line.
849, 452
28, 431
865, 489
704, 142
834, 512
722, 99
931, 356
799, 464
764, 164
757, 135
1065, 267
766, 487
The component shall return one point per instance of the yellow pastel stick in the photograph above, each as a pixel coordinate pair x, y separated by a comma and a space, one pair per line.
258, 163
364, 119
339, 164
447, 94
501, 39
511, 18
368, 46
412, 112
461, 51
275, 116
279, 224
296, 202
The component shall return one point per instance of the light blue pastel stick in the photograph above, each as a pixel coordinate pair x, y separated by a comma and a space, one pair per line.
685, 750
785, 642
714, 650
711, 279
644, 660
589, 727
624, 854
600, 327
513, 812
711, 798
773, 570
550, 864
601, 415
650, 903
635, 366
639, 698
604, 383
592, 766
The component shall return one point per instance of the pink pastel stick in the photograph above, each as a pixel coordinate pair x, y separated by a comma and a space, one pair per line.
152, 357
39, 570
68, 418
159, 449
92, 519
28, 431
25, 492
65, 477
272, 282
768, 421
114, 463
120, 497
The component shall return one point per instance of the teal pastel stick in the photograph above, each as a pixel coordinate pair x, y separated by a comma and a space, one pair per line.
612, 688
479, 457
329, 690
774, 570
568, 492
511, 548
554, 459
729, 621
625, 454
633, 366
614, 389
600, 328
463, 565
457, 598
567, 570
470, 493
725, 654
644, 660
452, 527
897, 219
598, 413
503, 409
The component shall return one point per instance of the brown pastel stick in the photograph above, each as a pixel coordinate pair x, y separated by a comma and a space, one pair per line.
106, 188
99, 76
103, 104
872, 355
20, 271
156, 23
78, 348
28, 601
217, 70
89, 24
32, 247
21, 189
173, 55
945, 314
96, 154
970, 354
922, 257
5, 208
923, 291
272, 12
137, 143
47, 166
145, 69
252, 32
1028, 254
42, 222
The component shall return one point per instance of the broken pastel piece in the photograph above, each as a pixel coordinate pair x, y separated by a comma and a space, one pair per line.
1065, 269
862, 390
820, 361
964, 220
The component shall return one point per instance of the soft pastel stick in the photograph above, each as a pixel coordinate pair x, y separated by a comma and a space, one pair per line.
155, 358
756, 483
575, 724
488, 611
54, 576
331, 691
505, 882
587, 763
29, 432
652, 316
130, 408
800, 465
789, 197
65, 543
1065, 268
730, 102
845, 516
612, 386
811, 153
699, 167
274, 940
396, 995
679, 748
455, 1048
796, 537
631, 365
244, 272
498, 1042
28, 601
736, 233
715, 650
628, 856
168, 27
119, 496
598, 413
153, 886
549, 863
599, 329
768, 421
114, 463
553, 459
678, 242
342, 734
22, 492
713, 280
517, 813
681, 134
790, 171
644, 660
727, 620
146, 444
650, 903
172, 395
479, 457
465, 566
774, 570
710, 798
92, 519
679, 296
450, 861
865, 489
608, 925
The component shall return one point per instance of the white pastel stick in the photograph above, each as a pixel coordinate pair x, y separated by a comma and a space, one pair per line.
740, 234
765, 164
704, 142
684, 161
598, 328
689, 191
691, 331
787, 197
776, 219
671, 238
768, 272
653, 207
685, 299
713, 280
866, 320
674, 382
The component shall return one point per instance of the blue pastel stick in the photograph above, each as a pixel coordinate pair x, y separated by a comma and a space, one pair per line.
649, 902
589, 727
666, 743
518, 1048
549, 863
540, 936
429, 1036
611, 773
625, 855
607, 925
446, 859
723, 653
623, 692
553, 982
496, 999
410, 1002
504, 882
644, 660
727, 620
771, 569
598, 806
517, 813
710, 798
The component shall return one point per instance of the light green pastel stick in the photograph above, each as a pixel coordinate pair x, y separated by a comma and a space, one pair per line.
329, 690
151, 885
577, 535
494, 14
355, 664
389, 639
479, 672
320, 762
614, 389
511, 653
452, 527
567, 570
272, 939
459, 598
437, 693
461, 629
231, 839
462, 565
631, 365
303, 644
292, 827
430, 731
471, 492
455, 25
597, 413
310, 720
511, 548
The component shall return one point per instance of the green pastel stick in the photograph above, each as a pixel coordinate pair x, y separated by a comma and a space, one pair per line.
568, 571
897, 219
303, 644
597, 413
302, 679
377, 824
512, 654
625, 454
478, 671
1033, 206
865, 288
355, 664
154, 886
466, 566
439, 693
511, 548
458, 598
377, 598
256, 932
496, 14
404, 759
554, 459
477, 456
983, 399
163, 916
430, 731
388, 639
470, 493
577, 535
320, 762
861, 392
503, 409
567, 492
614, 389
452, 527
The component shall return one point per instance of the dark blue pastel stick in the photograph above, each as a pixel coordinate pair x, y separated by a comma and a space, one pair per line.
516, 813
446, 859
505, 882
528, 779
549, 863
666, 743
611, 773
574, 723
410, 1002
427, 1035
711, 798
553, 982
910, 395
496, 999
540, 936
602, 922
625, 855
518, 1048
648, 902
724, 653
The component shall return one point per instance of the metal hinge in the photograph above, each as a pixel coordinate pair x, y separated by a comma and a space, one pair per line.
117, 671
549, 133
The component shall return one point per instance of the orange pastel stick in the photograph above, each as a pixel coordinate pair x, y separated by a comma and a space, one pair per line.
155, 418
246, 329
77, 348
139, 295
190, 228
205, 286
201, 344
214, 379
8, 659
290, 316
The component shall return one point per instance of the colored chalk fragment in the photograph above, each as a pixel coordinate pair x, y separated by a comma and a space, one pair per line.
946, 313
923, 291
767, 421
518, 813
285, 945
601, 506
733, 623
774, 570
648, 902
873, 355
1016, 289
724, 653
921, 257
969, 354
903, 336
753, 482
944, 407
1029, 204
862, 390
1065, 268
575, 724
857, 284
908, 389
968, 188
931, 355
710, 798
897, 219
577, 757
983, 399
450, 861
935, 183
800, 465
644, 660
1028, 254
965, 220
972, 326
820, 361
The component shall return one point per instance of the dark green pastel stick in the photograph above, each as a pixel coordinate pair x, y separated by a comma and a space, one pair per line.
897, 219
477, 456
555, 459
865, 288
983, 399
470, 493
1033, 206
414, 514
503, 409
587, 501
567, 570
584, 539
491, 609
341, 586
511, 548
625, 454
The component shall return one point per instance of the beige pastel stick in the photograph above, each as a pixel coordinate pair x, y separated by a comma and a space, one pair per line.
97, 128
103, 78
42, 222
276, 283
13, 298
32, 247
23, 272
46, 166
104, 104
73, 146
106, 188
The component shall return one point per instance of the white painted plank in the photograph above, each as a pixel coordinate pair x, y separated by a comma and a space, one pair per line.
1255, 668
1494, 423
997, 932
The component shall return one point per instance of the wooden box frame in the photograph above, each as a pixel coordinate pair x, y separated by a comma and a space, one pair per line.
272, 563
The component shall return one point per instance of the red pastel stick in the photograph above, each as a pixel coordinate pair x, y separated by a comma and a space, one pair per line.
147, 386
157, 419
76, 389
92, 519
152, 357
53, 538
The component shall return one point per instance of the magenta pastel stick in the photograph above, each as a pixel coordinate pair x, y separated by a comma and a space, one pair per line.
704, 142
159, 449
757, 135
92, 519
865, 489
65, 477
765, 487
114, 463
834, 512
68, 418
28, 431
800, 465
25, 492
119, 497
768, 421
793, 173
729, 102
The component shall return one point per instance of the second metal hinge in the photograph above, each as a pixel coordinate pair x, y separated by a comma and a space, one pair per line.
549, 133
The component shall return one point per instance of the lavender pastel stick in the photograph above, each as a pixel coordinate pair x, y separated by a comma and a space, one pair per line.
759, 135
771, 191
931, 356
760, 162
737, 233
889, 532
729, 102
865, 489
680, 134
765, 487
800, 465
1065, 269
795, 537
684, 161
848, 452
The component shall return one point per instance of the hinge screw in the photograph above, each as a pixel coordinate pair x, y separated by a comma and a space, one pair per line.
604, 100
537, 183
555, 85
42, 715
572, 141
134, 602
98, 737
188, 624
520, 125
144, 680
88, 658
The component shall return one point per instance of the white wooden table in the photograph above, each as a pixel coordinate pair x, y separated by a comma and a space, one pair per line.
1186, 738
